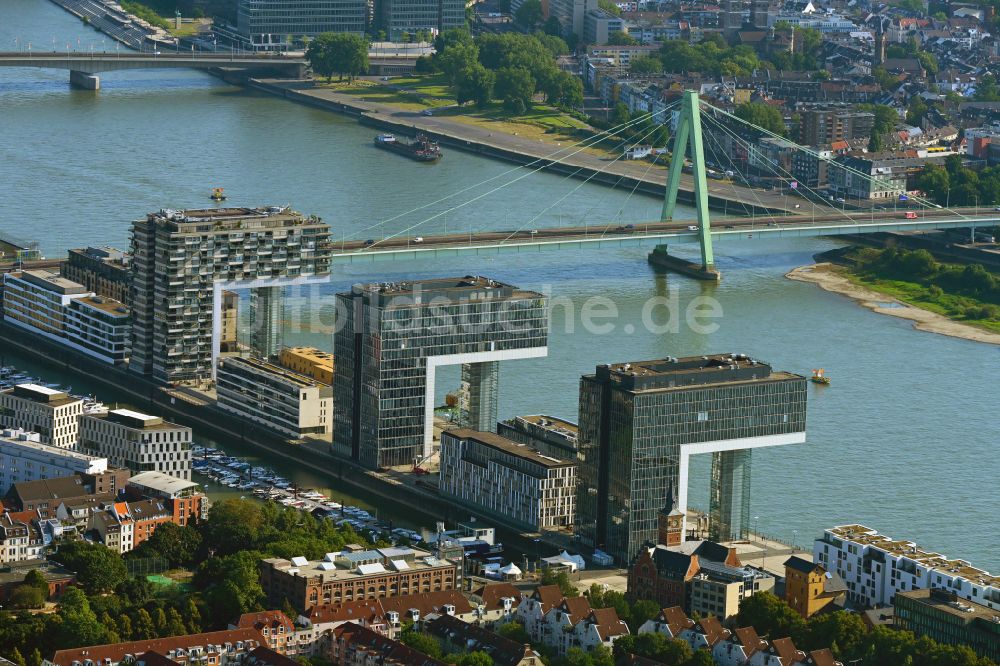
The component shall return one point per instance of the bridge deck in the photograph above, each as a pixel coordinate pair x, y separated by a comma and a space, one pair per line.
651, 234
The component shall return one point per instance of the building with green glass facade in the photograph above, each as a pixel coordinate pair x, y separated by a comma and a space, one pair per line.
639, 424
280, 24
399, 17
949, 619
391, 338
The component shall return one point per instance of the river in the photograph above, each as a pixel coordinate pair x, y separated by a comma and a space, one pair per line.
904, 440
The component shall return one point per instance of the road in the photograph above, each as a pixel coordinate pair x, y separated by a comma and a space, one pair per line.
807, 217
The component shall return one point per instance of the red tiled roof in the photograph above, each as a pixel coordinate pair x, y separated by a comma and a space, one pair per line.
713, 630
492, 594
117, 651
608, 623
270, 619
751, 642
548, 595
576, 607
785, 649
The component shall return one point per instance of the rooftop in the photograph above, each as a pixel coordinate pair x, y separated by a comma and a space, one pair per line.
138, 420
202, 220
163, 483
421, 292
345, 565
949, 603
553, 423
47, 449
52, 281
275, 371
104, 304
868, 537
211, 642
42, 394
505, 445
679, 374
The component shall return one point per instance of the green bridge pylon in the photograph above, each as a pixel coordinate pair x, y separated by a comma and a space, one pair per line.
689, 135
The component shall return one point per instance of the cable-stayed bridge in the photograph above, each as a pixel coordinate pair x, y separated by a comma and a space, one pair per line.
808, 212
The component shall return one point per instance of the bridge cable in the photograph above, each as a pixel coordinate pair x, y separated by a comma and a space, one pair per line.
547, 163
785, 175
734, 169
923, 201
581, 184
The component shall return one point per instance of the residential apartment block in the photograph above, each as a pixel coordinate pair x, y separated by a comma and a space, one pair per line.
180, 257
215, 648
186, 501
549, 435
395, 336
639, 424
42, 302
102, 270
140, 442
20, 537
24, 458
288, 403
355, 574
510, 480
876, 567
50, 413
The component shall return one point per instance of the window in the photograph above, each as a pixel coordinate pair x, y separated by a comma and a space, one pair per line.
702, 416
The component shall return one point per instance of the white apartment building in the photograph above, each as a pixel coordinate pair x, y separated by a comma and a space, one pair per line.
24, 458
50, 413
286, 402
140, 442
875, 567
513, 480
65, 312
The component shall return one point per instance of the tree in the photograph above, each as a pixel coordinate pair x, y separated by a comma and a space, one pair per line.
232, 525
564, 90
515, 631
987, 90
770, 616
451, 37
338, 53
80, 625
645, 65
475, 84
175, 624
231, 585
620, 114
421, 643
475, 658
561, 578
643, 610
620, 38
98, 569
529, 14
610, 7
35, 658
700, 658
762, 115
18, 658
175, 543
26, 596
143, 628
36, 579
515, 86
844, 630
457, 59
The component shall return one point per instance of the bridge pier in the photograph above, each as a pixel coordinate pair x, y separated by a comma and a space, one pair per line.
659, 258
83, 80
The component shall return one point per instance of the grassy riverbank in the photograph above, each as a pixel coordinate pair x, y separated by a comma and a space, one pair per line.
968, 294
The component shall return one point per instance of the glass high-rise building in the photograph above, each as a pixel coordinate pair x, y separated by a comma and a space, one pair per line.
273, 24
639, 424
399, 17
391, 338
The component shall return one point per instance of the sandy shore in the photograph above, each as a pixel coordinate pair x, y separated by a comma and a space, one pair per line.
828, 277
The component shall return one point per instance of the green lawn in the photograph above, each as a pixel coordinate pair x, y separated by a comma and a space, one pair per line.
948, 305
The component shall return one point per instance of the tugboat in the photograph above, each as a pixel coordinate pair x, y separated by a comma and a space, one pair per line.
422, 149
819, 377
218, 194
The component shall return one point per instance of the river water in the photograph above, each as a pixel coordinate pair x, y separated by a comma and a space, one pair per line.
904, 440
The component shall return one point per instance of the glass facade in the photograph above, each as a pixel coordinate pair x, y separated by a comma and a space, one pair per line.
274, 23
398, 17
634, 419
729, 496
393, 333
